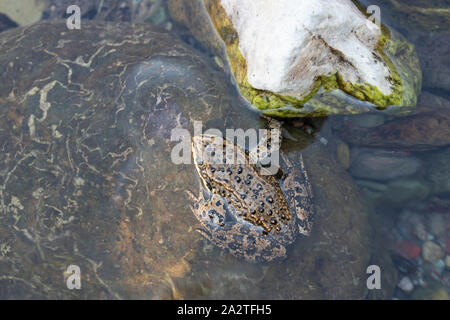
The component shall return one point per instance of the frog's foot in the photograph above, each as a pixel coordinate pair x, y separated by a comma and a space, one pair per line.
268, 144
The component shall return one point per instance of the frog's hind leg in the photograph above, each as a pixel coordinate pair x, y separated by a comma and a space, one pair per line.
299, 194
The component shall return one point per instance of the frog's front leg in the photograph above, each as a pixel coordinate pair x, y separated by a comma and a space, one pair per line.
266, 153
205, 213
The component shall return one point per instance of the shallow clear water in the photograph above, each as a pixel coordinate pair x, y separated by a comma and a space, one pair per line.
97, 190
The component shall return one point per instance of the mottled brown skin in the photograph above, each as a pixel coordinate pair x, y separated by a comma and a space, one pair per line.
248, 214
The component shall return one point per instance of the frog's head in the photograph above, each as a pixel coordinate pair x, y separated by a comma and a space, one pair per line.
207, 148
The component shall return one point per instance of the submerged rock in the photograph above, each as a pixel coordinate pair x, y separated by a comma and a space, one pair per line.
85, 127
6, 23
406, 284
382, 165
425, 128
395, 193
432, 252
315, 58
151, 11
438, 172
405, 190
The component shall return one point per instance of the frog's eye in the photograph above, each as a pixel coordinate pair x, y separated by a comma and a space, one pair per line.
301, 223
300, 190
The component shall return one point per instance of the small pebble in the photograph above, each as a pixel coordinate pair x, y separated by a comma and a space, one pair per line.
323, 141
408, 249
419, 228
447, 261
439, 266
381, 165
406, 284
432, 252
440, 294
308, 129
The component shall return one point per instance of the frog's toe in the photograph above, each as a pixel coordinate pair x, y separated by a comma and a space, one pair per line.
304, 226
191, 195
207, 235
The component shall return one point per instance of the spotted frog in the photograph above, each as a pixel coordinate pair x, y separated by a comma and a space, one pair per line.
251, 215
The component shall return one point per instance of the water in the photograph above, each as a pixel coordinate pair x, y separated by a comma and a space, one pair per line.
97, 190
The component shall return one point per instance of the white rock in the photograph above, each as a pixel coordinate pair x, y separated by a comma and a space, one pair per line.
447, 261
289, 43
406, 284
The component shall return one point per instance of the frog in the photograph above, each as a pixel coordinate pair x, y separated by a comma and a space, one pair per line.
250, 214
